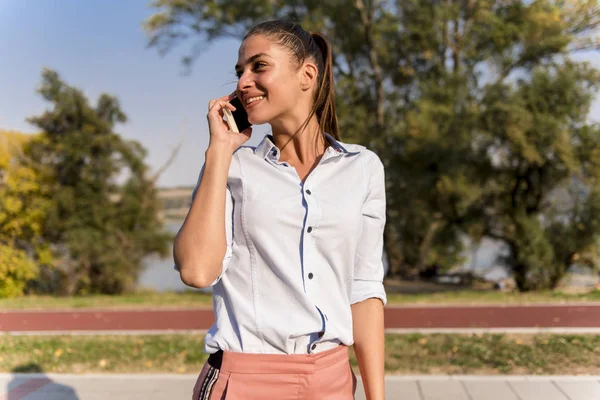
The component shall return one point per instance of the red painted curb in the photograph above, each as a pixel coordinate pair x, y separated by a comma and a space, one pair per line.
531, 316
105, 320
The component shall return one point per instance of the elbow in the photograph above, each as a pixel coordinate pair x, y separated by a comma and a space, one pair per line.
191, 276
198, 268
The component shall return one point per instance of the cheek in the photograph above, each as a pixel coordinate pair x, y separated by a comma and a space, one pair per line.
282, 95
280, 84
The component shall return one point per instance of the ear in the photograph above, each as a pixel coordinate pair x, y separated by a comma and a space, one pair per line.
308, 75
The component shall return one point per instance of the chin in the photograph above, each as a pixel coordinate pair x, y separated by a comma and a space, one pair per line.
257, 120
264, 116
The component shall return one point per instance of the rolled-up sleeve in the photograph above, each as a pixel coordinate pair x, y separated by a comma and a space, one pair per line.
228, 225
368, 261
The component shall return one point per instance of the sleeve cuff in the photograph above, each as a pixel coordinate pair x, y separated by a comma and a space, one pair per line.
363, 290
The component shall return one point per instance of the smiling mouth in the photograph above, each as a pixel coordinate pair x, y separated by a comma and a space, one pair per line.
253, 100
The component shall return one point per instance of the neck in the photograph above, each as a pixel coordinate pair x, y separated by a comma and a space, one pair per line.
299, 145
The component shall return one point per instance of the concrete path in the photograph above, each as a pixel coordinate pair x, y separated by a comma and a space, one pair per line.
174, 387
400, 319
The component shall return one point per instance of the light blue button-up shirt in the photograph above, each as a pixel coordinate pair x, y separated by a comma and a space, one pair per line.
298, 255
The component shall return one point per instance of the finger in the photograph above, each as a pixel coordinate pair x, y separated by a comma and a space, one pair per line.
220, 104
226, 98
216, 111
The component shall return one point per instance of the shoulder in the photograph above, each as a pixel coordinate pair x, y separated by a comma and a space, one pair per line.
371, 161
244, 151
372, 158
365, 153
242, 154
373, 168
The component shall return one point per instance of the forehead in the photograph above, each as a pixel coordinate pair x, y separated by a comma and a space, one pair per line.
257, 44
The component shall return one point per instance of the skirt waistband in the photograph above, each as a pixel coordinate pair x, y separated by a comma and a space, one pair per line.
253, 363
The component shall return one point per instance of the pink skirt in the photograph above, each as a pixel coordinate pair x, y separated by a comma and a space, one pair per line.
241, 376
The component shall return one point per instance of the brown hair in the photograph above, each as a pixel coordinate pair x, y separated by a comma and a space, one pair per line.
303, 46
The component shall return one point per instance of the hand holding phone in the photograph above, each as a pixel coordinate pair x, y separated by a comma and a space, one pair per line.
238, 119
220, 126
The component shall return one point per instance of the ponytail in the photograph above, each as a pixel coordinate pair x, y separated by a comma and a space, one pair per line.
324, 104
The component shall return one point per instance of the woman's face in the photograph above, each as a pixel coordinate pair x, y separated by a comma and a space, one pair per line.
270, 84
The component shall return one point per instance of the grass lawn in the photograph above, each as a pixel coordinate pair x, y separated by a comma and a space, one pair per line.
149, 299
405, 354
142, 299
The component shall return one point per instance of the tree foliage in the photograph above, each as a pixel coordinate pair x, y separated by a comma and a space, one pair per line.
99, 230
23, 209
476, 107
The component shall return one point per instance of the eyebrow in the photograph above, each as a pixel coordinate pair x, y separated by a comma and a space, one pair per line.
251, 59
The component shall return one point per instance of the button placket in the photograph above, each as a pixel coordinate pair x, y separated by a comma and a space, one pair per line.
314, 214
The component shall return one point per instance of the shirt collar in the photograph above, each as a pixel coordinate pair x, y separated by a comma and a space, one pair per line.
267, 149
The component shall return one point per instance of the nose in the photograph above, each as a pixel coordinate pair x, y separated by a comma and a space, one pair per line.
245, 81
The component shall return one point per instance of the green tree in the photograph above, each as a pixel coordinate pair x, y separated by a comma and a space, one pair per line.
99, 230
543, 184
465, 101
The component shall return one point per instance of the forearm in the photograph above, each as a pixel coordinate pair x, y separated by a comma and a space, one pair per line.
369, 345
201, 242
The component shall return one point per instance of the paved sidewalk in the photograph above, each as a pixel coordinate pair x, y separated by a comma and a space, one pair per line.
174, 387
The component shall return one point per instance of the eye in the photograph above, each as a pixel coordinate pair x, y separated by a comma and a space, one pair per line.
259, 64
255, 67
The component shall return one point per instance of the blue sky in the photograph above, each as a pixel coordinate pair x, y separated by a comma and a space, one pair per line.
99, 46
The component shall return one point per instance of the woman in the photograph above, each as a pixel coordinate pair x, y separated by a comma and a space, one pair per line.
289, 234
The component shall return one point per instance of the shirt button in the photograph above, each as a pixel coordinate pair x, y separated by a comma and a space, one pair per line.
308, 191
314, 346
309, 230
310, 275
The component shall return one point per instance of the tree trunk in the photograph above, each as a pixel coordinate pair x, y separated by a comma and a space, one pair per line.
520, 277
559, 273
426, 244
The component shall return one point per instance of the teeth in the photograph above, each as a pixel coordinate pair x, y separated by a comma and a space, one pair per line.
250, 100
